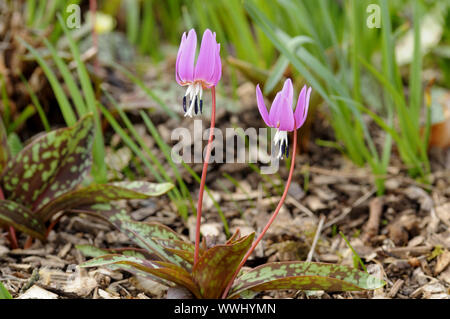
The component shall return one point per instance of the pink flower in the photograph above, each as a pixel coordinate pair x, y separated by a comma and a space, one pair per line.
281, 115
204, 74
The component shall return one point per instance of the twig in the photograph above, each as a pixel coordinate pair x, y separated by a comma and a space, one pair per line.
375, 211
395, 288
347, 210
316, 238
303, 208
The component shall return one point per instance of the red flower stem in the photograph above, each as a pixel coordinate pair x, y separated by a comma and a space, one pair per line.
204, 172
274, 215
11, 230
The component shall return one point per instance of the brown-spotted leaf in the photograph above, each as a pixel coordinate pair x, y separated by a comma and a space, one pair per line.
5, 152
94, 194
182, 249
50, 166
188, 256
127, 263
216, 266
304, 276
176, 244
143, 233
161, 270
106, 211
21, 218
234, 237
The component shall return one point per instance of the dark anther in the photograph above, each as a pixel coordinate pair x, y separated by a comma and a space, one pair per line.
196, 105
283, 147
184, 103
201, 106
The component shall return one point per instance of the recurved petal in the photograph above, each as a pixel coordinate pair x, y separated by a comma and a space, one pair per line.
204, 69
300, 108
281, 115
301, 111
180, 49
262, 107
186, 59
288, 91
215, 78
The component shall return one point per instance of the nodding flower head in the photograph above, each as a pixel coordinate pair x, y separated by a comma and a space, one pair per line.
281, 115
206, 72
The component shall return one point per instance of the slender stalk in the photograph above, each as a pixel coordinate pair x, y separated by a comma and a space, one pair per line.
274, 215
11, 230
204, 172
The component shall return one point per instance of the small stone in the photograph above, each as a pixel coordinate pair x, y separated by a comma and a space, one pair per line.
37, 292
3, 250
314, 203
106, 295
150, 287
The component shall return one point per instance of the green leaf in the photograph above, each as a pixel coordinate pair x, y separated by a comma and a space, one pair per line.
4, 294
4, 147
304, 276
21, 218
50, 166
102, 193
216, 266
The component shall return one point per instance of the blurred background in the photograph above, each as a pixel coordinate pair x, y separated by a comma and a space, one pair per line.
376, 140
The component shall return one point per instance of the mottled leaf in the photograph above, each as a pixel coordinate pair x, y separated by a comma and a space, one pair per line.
143, 233
162, 270
176, 244
92, 251
217, 265
50, 166
305, 276
94, 194
182, 249
188, 256
127, 263
236, 236
139, 232
106, 211
21, 218
4, 147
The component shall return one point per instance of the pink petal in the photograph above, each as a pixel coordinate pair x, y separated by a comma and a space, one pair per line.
183, 40
288, 91
186, 59
261, 106
301, 111
204, 69
217, 68
285, 115
281, 115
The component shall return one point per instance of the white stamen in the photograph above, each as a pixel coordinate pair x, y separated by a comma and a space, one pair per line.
194, 90
280, 138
